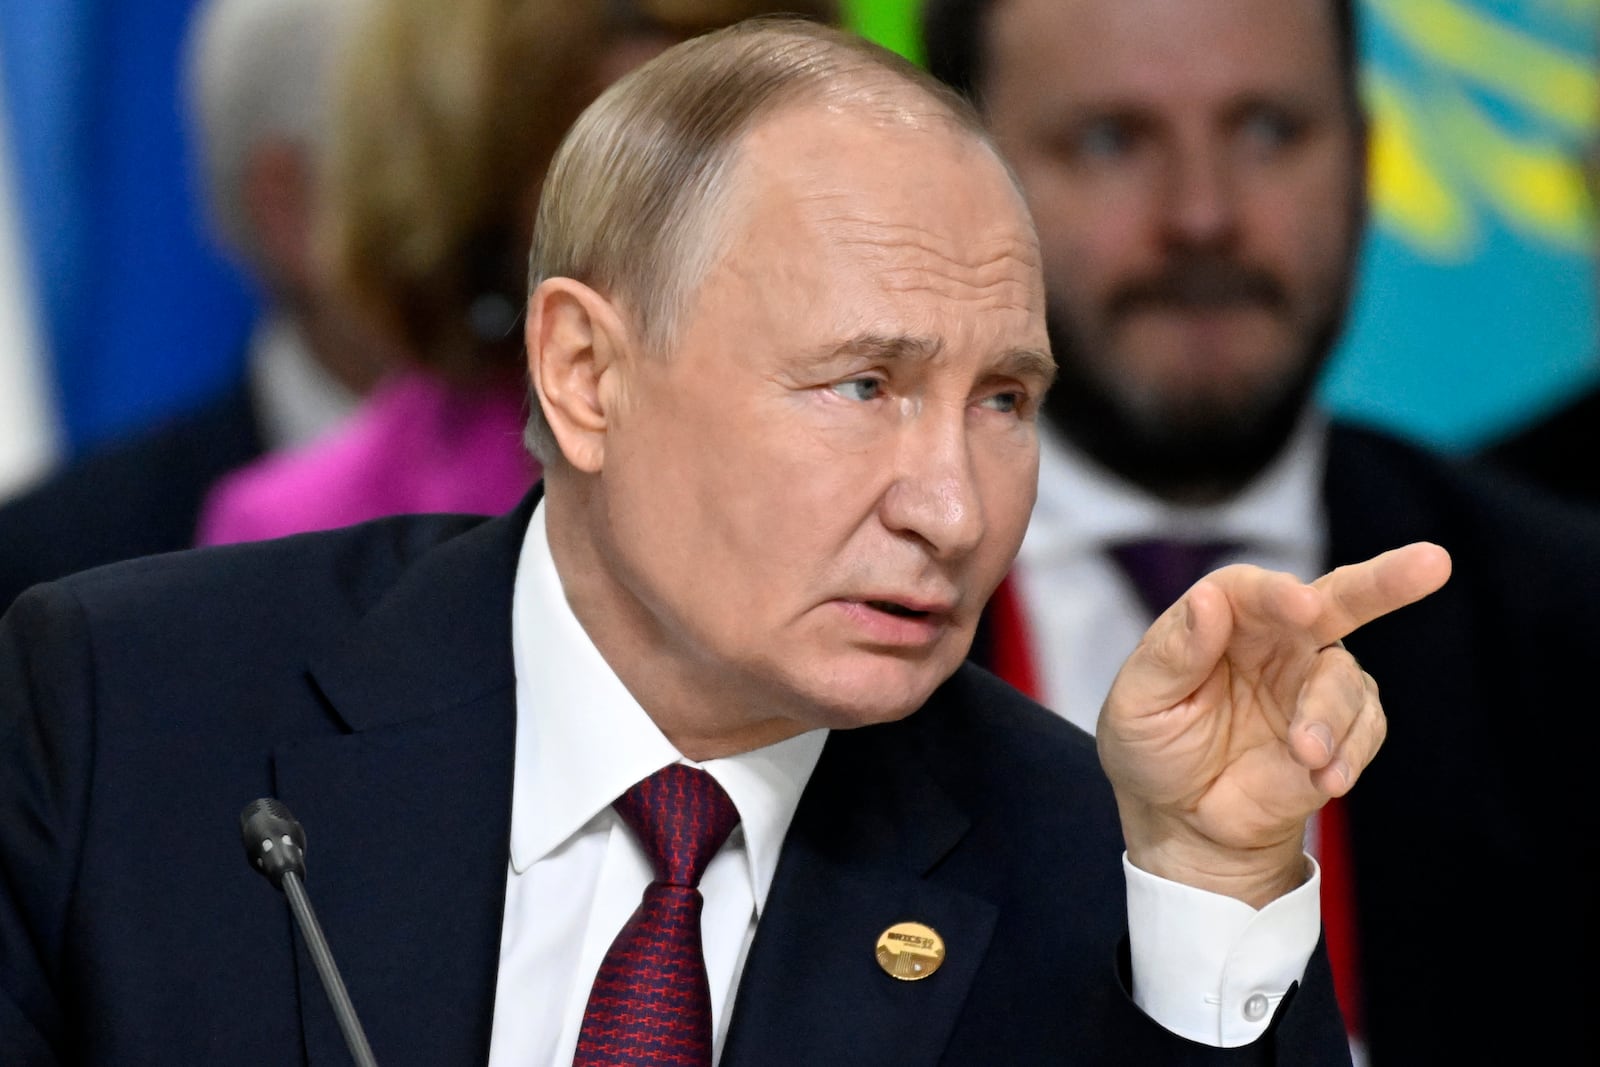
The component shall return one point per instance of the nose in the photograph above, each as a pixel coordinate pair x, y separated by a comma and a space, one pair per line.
934, 494
1200, 196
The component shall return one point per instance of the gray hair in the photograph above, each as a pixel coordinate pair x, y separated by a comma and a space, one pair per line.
256, 70
634, 202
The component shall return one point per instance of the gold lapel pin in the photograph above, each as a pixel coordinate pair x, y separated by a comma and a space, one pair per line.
910, 951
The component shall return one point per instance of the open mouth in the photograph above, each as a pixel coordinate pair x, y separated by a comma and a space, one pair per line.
890, 608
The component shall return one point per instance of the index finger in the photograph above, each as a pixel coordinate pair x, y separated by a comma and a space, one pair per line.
1357, 593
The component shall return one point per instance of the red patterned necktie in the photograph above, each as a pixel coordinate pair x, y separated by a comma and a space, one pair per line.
651, 1002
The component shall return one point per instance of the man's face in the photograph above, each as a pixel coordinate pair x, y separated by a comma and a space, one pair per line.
809, 499
1194, 171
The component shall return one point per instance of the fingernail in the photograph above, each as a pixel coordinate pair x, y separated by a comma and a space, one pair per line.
1342, 769
1324, 737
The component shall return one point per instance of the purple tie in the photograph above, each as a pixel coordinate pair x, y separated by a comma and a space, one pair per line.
651, 1002
1162, 570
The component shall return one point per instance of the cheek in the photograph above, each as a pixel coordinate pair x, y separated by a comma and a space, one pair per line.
664, 477
795, 500
1092, 238
1327, 255
771, 496
1303, 227
1007, 475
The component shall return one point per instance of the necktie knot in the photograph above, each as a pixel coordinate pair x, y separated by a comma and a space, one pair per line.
681, 817
1162, 569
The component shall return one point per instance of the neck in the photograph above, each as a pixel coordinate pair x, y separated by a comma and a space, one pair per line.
702, 710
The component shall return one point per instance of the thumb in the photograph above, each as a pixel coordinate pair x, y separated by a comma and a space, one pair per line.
1177, 654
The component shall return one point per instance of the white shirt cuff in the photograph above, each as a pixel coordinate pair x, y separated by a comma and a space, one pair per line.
1211, 968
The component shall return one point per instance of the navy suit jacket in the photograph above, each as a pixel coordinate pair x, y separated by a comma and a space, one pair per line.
365, 678
1471, 826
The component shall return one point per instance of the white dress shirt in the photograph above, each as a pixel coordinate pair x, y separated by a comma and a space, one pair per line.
576, 873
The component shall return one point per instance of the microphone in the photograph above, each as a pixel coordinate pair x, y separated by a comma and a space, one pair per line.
275, 844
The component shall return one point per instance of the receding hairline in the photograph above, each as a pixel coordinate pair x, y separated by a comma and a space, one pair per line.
886, 104
852, 70
874, 91
638, 202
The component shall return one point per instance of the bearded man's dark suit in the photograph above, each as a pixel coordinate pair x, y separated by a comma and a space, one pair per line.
1471, 826
1558, 450
365, 678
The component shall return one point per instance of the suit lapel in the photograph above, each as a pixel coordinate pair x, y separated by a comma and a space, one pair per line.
408, 815
873, 822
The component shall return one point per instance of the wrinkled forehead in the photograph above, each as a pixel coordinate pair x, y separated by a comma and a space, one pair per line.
887, 225
830, 170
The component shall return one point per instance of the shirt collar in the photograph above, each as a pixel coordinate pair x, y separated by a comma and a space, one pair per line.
582, 739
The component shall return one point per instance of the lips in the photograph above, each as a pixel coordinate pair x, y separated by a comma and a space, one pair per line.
893, 608
908, 607
898, 623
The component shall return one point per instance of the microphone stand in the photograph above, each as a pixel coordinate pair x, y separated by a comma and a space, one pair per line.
275, 845
322, 956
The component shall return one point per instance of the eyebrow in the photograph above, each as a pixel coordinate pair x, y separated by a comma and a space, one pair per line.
891, 348
1031, 363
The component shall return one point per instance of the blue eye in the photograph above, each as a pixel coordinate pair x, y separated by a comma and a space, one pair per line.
1010, 403
862, 389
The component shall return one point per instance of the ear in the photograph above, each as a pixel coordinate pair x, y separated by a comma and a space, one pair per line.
577, 343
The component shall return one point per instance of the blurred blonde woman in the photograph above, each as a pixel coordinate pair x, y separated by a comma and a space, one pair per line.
446, 118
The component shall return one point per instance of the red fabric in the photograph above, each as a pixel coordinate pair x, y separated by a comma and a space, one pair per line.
1011, 653
651, 1002
1339, 909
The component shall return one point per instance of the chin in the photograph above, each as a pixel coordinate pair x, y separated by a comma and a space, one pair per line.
874, 692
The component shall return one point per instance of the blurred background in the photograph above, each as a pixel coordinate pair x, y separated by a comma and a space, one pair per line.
1476, 310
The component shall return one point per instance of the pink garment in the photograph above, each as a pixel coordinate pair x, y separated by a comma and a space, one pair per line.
414, 445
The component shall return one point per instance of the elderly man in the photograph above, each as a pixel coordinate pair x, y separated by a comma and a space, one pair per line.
680, 762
